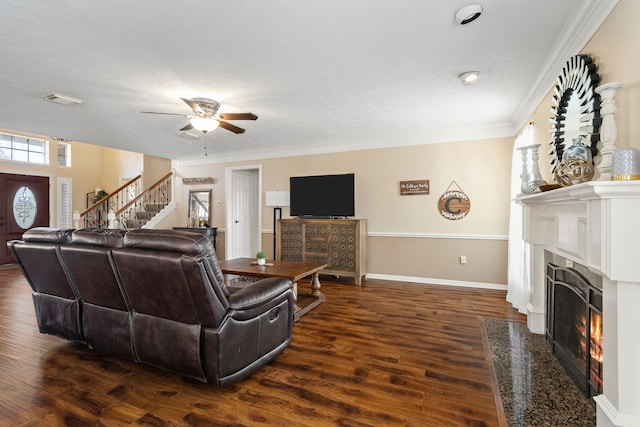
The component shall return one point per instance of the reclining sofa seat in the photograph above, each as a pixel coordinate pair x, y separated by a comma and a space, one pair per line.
183, 317
106, 322
56, 301
166, 288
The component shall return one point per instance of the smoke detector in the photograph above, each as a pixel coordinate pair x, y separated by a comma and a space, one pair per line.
61, 99
468, 14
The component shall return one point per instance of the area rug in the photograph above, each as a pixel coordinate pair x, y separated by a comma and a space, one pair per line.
534, 388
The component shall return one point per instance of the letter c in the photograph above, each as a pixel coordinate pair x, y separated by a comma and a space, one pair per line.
446, 204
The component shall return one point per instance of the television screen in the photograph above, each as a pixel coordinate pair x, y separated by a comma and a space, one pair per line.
322, 195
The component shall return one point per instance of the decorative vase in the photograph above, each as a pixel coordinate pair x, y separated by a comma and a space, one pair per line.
530, 176
577, 150
262, 261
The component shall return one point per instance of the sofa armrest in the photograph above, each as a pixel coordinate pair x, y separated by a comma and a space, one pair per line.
258, 293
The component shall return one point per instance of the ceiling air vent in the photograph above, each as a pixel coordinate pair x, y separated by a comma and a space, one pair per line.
61, 99
188, 135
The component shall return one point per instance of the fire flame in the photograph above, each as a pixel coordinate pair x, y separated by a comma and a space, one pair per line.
596, 337
595, 346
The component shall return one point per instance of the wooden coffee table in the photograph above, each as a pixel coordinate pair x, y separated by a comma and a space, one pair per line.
292, 270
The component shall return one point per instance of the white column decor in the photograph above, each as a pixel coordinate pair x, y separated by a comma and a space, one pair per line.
608, 130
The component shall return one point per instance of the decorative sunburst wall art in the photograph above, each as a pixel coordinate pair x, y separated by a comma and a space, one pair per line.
575, 108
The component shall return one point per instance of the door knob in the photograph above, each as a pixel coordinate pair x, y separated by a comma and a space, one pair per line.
236, 221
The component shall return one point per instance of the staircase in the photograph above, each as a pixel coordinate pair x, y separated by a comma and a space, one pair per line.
129, 206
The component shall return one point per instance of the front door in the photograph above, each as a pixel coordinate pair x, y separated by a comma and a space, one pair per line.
24, 203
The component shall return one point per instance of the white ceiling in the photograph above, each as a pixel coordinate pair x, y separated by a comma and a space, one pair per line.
323, 75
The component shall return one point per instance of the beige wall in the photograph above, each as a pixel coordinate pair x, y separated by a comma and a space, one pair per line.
614, 48
91, 166
408, 236
154, 169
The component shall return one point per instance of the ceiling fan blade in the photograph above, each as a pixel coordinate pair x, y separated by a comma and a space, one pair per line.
194, 106
238, 116
187, 127
165, 114
229, 126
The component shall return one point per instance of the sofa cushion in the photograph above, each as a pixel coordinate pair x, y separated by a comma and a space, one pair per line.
106, 237
47, 235
169, 241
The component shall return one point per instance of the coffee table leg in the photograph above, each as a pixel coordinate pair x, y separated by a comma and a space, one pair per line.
315, 285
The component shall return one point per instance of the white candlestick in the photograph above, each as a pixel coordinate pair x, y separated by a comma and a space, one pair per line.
608, 130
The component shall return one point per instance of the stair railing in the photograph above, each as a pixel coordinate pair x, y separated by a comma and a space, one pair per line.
97, 214
128, 206
140, 209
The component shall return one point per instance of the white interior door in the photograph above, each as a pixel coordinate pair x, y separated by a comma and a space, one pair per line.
243, 213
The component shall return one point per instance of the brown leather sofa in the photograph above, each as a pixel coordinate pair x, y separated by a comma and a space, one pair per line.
156, 297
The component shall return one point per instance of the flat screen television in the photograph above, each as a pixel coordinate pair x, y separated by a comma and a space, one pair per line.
322, 196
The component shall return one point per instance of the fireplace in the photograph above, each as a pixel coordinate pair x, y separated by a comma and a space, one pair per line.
594, 227
574, 322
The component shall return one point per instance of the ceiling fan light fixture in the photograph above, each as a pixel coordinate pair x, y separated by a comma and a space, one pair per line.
204, 124
467, 14
470, 77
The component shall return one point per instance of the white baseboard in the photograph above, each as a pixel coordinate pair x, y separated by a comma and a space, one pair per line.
432, 281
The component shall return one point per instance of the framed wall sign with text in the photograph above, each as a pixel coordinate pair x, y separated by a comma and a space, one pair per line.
408, 188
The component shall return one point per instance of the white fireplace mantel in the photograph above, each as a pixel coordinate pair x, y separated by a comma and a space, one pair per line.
596, 224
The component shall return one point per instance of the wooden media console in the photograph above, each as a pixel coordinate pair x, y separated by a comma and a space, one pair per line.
339, 243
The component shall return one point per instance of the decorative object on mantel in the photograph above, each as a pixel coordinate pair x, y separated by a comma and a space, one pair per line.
575, 108
576, 165
549, 187
198, 181
574, 171
454, 204
625, 165
531, 178
414, 187
577, 150
608, 129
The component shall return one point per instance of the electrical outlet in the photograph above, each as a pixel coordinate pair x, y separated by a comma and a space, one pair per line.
463, 259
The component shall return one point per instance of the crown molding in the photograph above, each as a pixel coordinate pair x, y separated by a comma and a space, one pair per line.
449, 135
586, 20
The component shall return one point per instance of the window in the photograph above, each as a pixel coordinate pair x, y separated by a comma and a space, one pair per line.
64, 202
64, 154
24, 149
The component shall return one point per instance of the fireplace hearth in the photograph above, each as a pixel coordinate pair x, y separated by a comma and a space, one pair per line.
574, 323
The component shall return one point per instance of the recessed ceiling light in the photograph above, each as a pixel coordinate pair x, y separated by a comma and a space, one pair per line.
61, 99
470, 77
468, 14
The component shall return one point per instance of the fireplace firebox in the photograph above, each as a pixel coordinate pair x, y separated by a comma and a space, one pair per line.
574, 325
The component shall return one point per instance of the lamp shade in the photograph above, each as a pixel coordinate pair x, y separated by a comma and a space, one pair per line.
204, 124
277, 198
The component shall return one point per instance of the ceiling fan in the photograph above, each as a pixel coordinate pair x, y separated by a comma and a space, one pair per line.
206, 117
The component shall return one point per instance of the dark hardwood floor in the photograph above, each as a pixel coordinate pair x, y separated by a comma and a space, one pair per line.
386, 354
